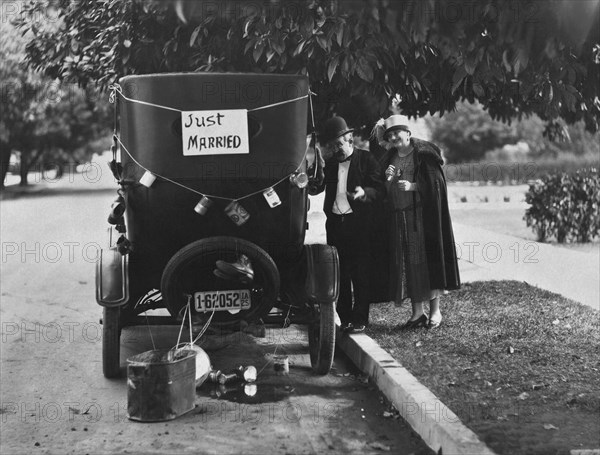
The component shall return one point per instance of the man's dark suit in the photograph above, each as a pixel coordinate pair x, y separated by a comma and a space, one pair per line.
350, 233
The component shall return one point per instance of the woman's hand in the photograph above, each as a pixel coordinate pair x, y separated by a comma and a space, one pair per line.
390, 172
405, 185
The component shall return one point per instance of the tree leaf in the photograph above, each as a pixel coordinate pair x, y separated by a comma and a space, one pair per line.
548, 93
333, 63
339, 32
478, 89
470, 64
306, 29
323, 42
258, 50
278, 45
250, 44
270, 53
194, 35
345, 67
364, 70
507, 65
458, 77
247, 24
569, 99
299, 48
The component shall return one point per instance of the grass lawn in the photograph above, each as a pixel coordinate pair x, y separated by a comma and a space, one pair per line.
518, 365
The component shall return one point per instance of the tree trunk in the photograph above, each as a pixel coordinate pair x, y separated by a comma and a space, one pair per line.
28, 160
24, 168
5, 153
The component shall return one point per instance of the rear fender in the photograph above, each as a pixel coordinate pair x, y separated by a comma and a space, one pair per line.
323, 273
112, 282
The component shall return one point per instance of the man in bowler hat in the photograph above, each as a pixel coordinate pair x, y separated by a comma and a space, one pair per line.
352, 183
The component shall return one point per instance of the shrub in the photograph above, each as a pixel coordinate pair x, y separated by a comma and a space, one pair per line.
565, 206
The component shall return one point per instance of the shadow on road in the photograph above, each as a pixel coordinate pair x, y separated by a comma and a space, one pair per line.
37, 191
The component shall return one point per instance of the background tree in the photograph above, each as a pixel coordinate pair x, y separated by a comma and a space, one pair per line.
470, 135
516, 57
48, 122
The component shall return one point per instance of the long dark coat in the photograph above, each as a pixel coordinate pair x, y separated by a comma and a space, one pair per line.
439, 237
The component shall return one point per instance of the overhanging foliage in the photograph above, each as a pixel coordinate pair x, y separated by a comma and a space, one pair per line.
517, 57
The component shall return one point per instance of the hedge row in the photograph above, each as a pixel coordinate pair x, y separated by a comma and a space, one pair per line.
515, 172
565, 206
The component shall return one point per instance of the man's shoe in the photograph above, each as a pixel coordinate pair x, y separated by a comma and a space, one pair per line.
419, 322
358, 328
346, 327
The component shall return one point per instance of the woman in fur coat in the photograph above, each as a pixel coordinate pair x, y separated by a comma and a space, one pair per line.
423, 261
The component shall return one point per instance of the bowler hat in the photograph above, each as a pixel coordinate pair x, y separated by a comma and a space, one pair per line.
334, 128
396, 122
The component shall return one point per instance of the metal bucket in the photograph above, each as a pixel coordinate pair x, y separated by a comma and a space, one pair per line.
160, 385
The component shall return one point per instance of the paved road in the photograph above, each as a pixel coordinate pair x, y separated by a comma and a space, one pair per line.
55, 399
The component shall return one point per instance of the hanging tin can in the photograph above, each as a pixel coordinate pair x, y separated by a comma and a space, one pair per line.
300, 179
237, 213
147, 179
203, 206
272, 197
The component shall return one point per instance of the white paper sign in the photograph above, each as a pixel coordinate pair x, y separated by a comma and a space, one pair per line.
219, 132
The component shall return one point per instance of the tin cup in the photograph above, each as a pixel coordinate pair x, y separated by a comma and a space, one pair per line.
203, 206
227, 378
247, 374
237, 213
272, 197
281, 365
250, 389
147, 179
213, 376
300, 179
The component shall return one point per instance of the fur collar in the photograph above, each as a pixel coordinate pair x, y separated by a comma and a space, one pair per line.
428, 150
425, 151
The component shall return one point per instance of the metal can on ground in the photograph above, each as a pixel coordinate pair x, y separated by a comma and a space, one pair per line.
281, 365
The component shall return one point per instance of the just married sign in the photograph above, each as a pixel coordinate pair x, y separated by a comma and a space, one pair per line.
215, 132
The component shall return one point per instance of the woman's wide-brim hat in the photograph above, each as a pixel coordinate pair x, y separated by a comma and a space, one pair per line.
334, 128
396, 122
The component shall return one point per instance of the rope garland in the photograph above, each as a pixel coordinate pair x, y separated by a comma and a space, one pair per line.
116, 88
211, 195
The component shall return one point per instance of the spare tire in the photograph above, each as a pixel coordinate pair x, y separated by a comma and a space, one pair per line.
191, 270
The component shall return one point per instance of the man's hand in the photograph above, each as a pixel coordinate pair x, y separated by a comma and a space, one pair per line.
358, 195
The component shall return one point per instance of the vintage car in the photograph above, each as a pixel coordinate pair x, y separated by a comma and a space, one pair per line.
212, 210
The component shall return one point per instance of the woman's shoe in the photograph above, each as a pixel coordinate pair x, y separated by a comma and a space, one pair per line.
419, 322
434, 323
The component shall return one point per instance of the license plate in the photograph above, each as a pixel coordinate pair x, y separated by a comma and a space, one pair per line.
238, 299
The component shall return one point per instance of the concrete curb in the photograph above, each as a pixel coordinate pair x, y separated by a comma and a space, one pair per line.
437, 425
